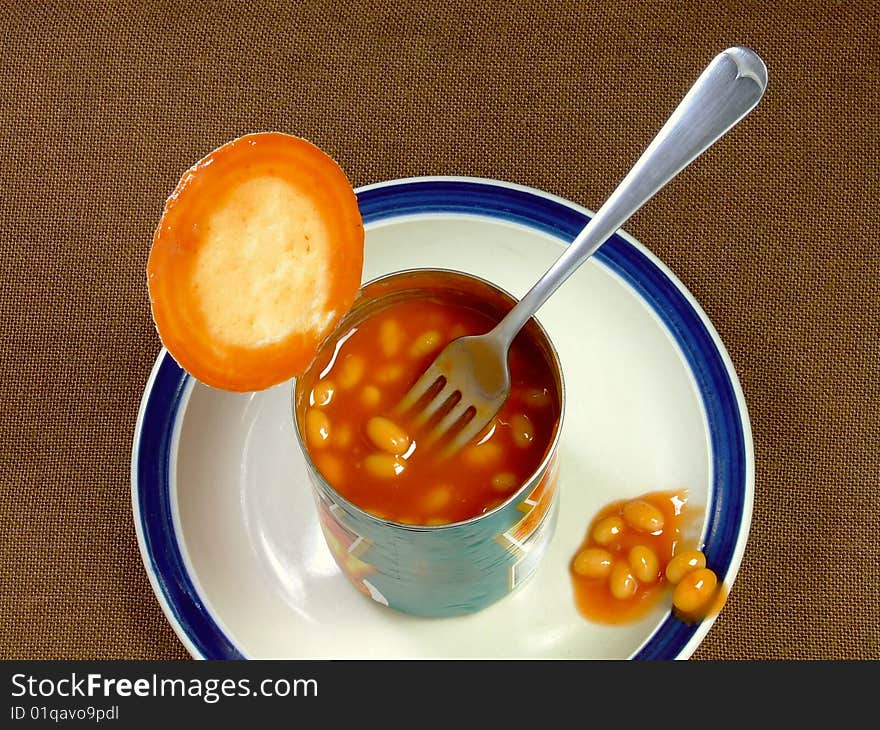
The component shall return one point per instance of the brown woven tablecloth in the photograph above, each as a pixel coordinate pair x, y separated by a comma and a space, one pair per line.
774, 230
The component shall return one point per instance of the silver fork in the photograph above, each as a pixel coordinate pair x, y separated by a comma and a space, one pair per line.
471, 373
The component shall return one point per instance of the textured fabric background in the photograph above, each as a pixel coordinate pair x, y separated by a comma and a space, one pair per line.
103, 105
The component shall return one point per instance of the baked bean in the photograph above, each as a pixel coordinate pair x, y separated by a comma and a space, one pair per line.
482, 455
683, 563
643, 516
331, 469
538, 397
504, 481
593, 563
351, 371
437, 499
387, 435
622, 582
695, 591
317, 428
644, 563
607, 530
390, 337
458, 330
342, 436
384, 466
322, 393
523, 430
389, 373
370, 396
425, 343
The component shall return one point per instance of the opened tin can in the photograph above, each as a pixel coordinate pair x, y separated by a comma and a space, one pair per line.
446, 569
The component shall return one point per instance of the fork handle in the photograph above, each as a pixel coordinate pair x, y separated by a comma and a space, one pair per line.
730, 87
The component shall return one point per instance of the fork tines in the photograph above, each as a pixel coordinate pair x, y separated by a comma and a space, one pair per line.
437, 400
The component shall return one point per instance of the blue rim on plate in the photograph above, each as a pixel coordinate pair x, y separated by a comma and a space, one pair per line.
730, 496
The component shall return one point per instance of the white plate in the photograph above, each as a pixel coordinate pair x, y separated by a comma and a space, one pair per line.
224, 514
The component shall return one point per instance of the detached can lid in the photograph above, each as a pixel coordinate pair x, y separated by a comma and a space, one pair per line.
257, 256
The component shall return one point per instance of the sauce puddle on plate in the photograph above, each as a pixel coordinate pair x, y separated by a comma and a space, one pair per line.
634, 555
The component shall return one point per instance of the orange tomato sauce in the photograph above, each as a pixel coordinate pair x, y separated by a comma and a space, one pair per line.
593, 595
389, 470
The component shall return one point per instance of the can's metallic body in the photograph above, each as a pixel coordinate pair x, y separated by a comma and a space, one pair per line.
443, 570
